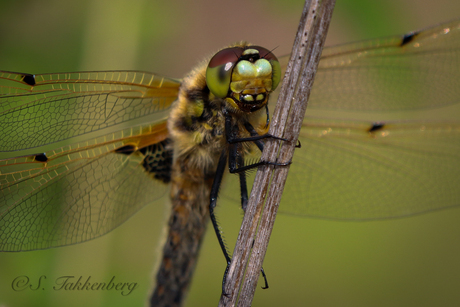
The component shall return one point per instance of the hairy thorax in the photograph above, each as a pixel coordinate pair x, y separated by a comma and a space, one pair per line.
197, 127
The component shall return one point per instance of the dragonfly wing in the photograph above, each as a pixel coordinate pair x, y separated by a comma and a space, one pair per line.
357, 170
53, 108
78, 153
76, 194
346, 171
417, 70
381, 136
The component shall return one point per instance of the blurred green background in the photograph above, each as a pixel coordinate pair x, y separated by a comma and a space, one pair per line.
403, 262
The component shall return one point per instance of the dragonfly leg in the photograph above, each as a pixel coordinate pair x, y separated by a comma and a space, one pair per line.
253, 132
267, 112
244, 205
233, 140
232, 133
243, 185
244, 199
255, 138
213, 202
257, 164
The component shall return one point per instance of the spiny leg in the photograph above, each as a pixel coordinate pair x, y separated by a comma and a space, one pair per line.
233, 159
243, 186
254, 133
213, 202
232, 133
241, 168
235, 164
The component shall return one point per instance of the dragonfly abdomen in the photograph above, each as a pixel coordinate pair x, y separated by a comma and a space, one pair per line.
187, 226
196, 128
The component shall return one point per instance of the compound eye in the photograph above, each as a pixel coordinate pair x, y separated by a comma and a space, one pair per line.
276, 67
219, 71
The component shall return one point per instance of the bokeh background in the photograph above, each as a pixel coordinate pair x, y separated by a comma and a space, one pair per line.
403, 262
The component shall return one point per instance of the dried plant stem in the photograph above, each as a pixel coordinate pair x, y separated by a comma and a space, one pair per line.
290, 109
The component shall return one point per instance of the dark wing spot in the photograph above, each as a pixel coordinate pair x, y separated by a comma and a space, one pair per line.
376, 127
158, 160
41, 157
28, 79
126, 150
407, 38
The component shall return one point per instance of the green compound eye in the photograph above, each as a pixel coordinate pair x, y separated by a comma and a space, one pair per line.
276, 73
220, 67
219, 71
276, 67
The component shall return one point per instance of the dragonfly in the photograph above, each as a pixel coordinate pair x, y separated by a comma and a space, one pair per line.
82, 152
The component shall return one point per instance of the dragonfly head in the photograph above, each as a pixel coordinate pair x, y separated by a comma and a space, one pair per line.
243, 76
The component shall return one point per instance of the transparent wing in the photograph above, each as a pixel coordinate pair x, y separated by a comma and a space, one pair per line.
344, 171
381, 137
86, 132
37, 110
415, 71
71, 198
